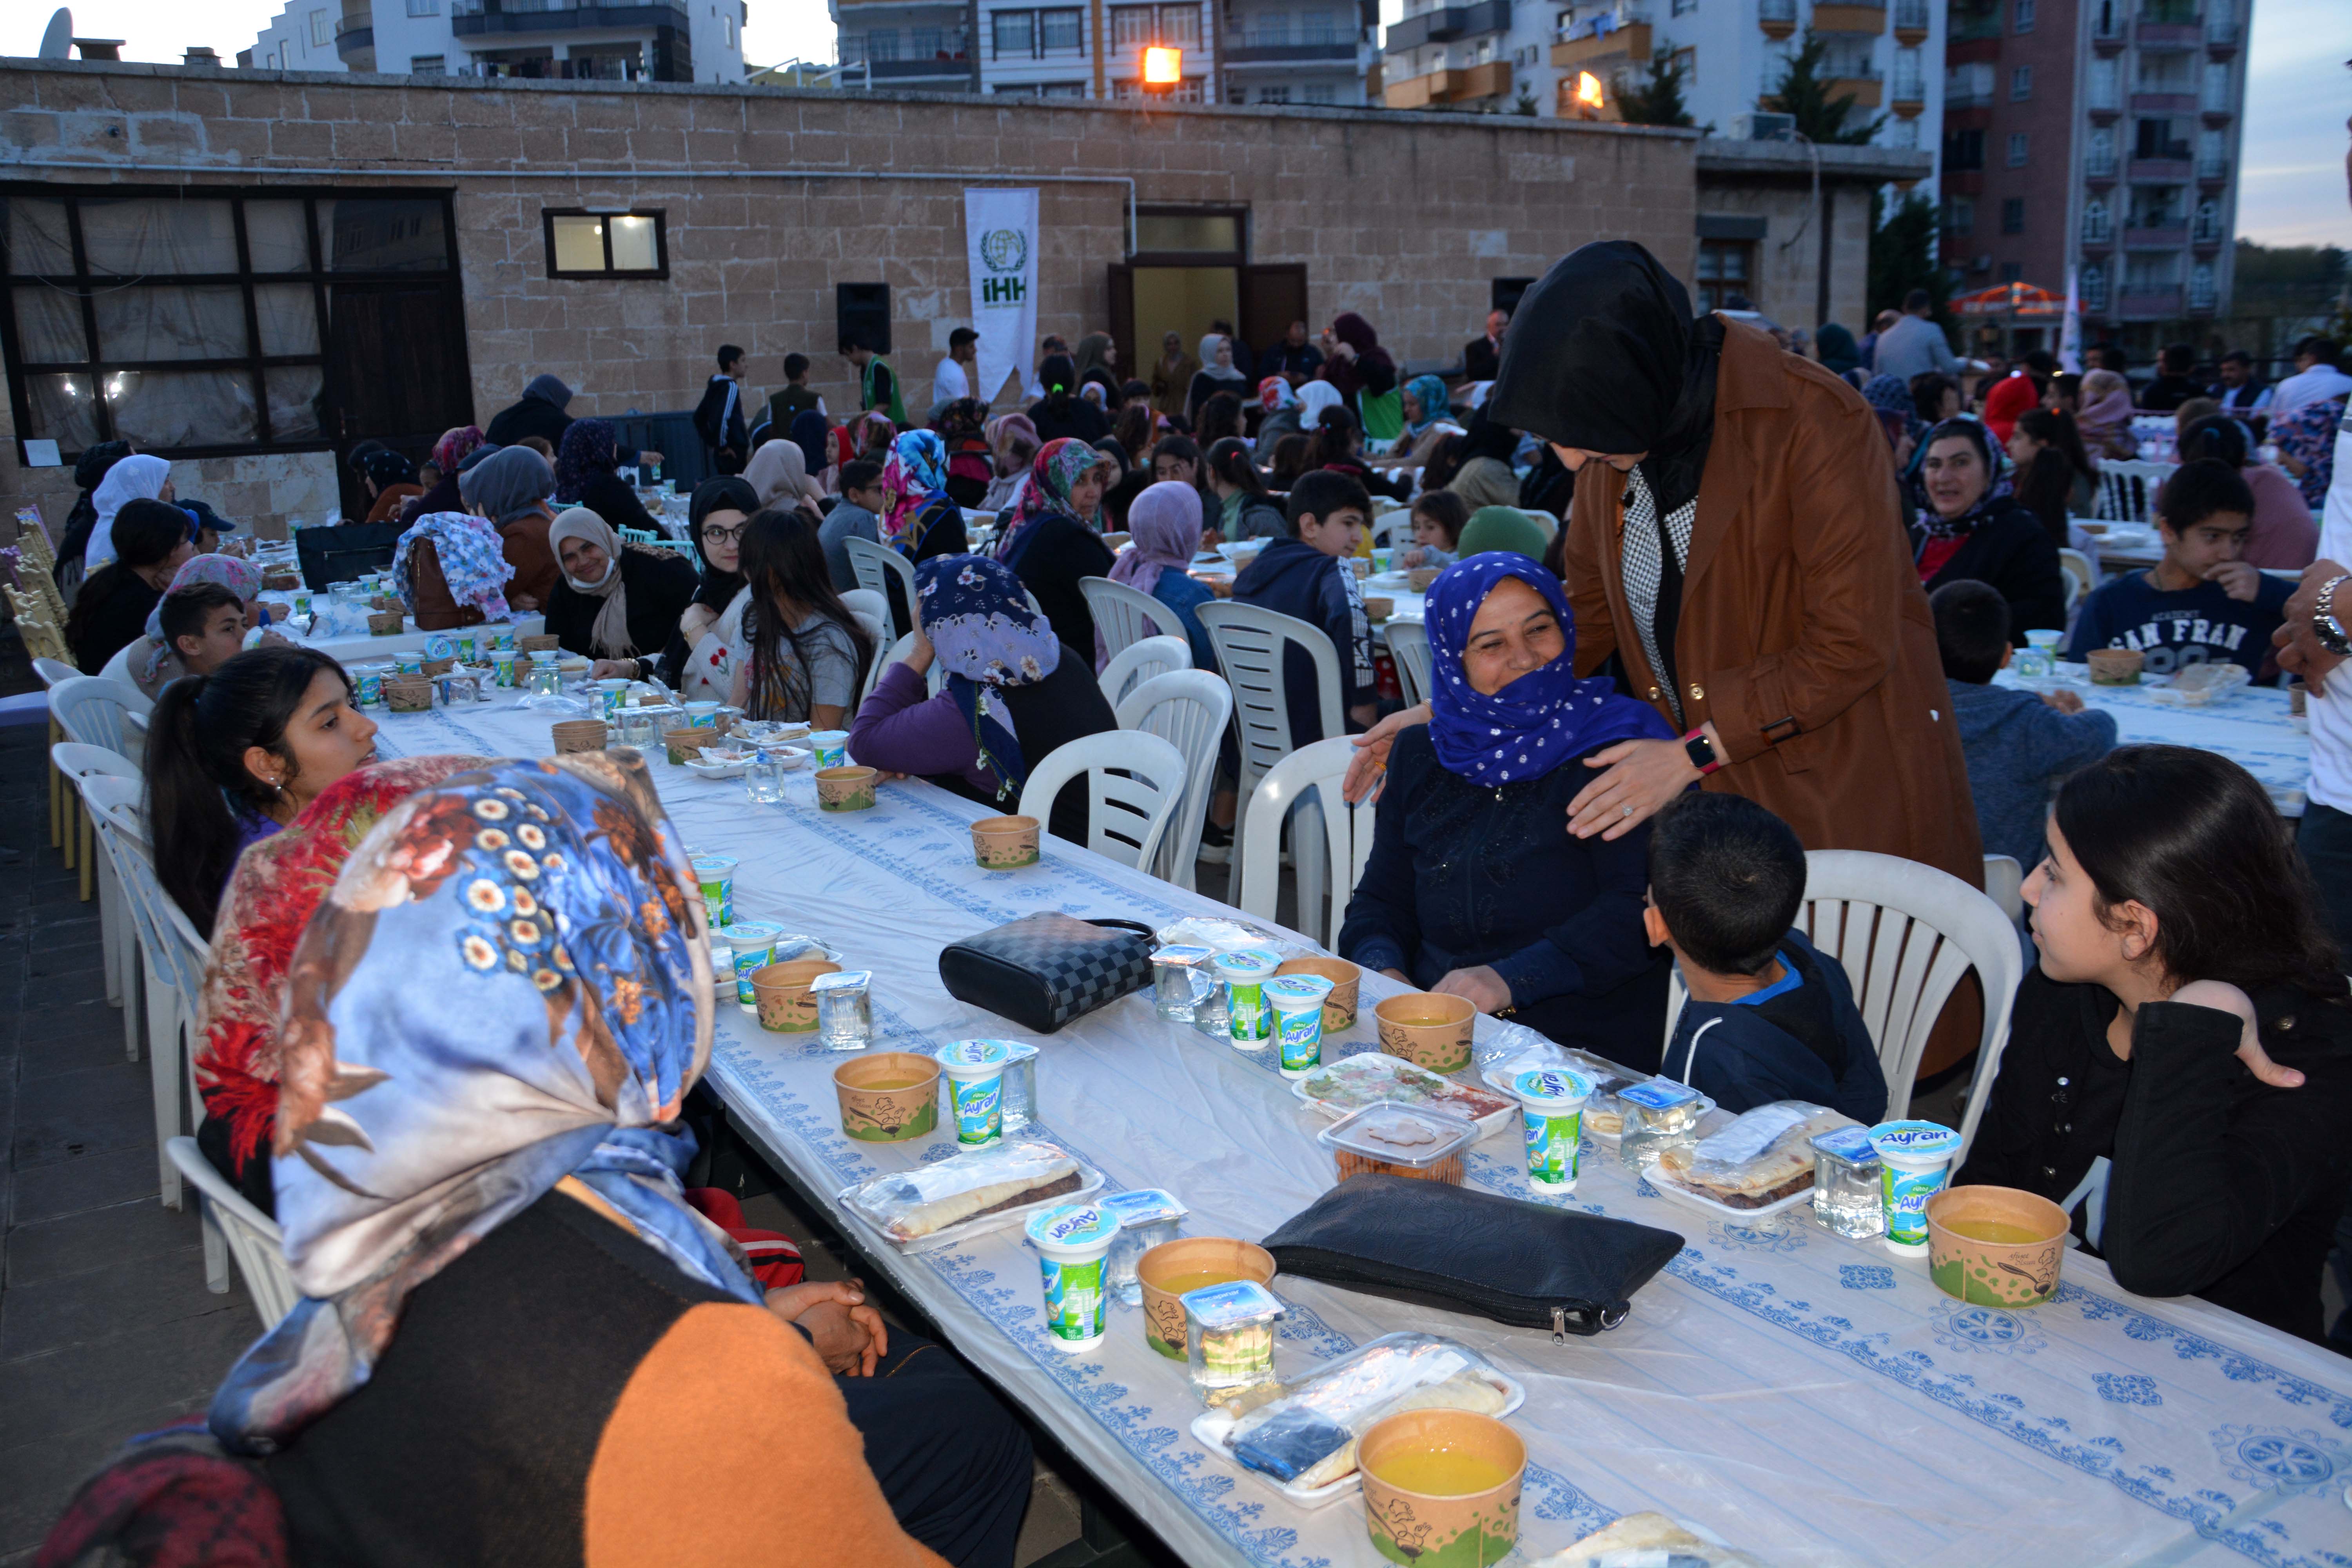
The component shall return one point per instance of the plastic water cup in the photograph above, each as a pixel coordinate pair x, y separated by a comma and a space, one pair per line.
1073, 1244
1551, 1111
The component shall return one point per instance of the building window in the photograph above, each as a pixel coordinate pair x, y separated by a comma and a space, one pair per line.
428, 64
1063, 89
141, 318
1015, 33
2097, 226
2165, 73
2095, 288
1321, 92
1963, 150
2153, 138
605, 245
2012, 271
1724, 267
1270, 95
2201, 287
323, 31
727, 30
1060, 32
424, 7
1906, 133
2018, 143
2156, 206
1960, 216
2151, 273
1685, 8
2024, 15
2021, 84
2012, 215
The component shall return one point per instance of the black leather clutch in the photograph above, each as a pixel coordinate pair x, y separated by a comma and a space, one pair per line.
1466, 1251
1043, 970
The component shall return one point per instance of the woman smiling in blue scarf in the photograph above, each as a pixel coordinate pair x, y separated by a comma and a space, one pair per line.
1472, 888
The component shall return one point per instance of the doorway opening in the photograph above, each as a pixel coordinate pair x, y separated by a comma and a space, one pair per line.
1191, 268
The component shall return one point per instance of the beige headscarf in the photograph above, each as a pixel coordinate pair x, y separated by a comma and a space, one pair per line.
778, 472
1486, 482
610, 636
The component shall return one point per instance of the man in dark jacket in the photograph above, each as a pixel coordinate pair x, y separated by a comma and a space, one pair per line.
1768, 1017
1307, 576
718, 419
539, 412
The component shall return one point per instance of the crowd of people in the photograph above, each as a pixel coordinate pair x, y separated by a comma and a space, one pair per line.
1703, 602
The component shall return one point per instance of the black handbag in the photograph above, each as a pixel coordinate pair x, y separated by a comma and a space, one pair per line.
1436, 1245
1043, 970
347, 550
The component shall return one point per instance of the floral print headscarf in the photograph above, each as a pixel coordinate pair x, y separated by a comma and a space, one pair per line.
589, 448
507, 985
472, 561
2307, 434
977, 617
916, 468
1055, 473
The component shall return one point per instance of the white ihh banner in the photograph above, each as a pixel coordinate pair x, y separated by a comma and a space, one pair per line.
1000, 237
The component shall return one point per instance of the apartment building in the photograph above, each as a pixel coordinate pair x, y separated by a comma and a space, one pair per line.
637, 41
1535, 57
2102, 136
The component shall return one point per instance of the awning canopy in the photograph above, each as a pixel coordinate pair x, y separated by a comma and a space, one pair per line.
2010, 300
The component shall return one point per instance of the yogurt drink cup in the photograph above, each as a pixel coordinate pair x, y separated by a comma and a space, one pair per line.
1244, 973
1551, 1111
1296, 1002
1915, 1162
975, 1073
1073, 1244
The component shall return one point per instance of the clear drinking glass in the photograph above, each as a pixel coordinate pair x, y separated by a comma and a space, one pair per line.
1019, 1095
763, 780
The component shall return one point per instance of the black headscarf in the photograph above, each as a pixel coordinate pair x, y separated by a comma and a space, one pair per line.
1489, 438
1602, 354
727, 493
89, 471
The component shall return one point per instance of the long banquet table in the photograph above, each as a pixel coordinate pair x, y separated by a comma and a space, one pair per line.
1806, 1397
2252, 726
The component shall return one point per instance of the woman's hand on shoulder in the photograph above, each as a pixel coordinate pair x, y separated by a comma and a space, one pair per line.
1368, 769
2224, 998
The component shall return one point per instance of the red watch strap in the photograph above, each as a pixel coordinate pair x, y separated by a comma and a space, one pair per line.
1700, 734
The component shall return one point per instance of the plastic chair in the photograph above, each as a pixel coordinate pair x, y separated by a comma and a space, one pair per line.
1134, 782
1311, 772
866, 602
875, 567
1409, 647
1392, 526
78, 763
1125, 616
2080, 578
1143, 661
1189, 708
2005, 885
1251, 645
252, 1237
2128, 490
61, 804
96, 713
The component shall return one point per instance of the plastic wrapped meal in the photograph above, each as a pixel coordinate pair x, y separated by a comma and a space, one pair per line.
1304, 1432
907, 1206
1389, 1139
1371, 1076
1646, 1540
1758, 1159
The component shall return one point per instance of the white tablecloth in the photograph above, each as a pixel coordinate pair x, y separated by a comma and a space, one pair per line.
2251, 727
1807, 1397
410, 639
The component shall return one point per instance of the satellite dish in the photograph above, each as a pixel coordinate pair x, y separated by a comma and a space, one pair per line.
57, 42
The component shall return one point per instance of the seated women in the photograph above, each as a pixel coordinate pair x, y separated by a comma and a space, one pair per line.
499, 1275
778, 474
198, 625
1475, 888
456, 444
1972, 527
1428, 419
1165, 524
695, 660
1243, 509
450, 568
919, 518
510, 489
1280, 405
801, 656
1013, 694
234, 755
1055, 540
150, 542
585, 476
2179, 1072
1124, 483
1012, 444
134, 478
390, 479
620, 607
1339, 445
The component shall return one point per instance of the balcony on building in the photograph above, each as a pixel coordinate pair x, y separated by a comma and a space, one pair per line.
2173, 170
2212, 171
355, 42
2148, 304
646, 41
1443, 24
1466, 84
1911, 22
2222, 32
2099, 168
2108, 23
1603, 43
1777, 17
1909, 95
1972, 21
2205, 232
2167, 24
2171, 237
1849, 19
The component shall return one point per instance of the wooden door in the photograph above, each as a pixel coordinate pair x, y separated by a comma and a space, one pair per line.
397, 370
1272, 297
1122, 317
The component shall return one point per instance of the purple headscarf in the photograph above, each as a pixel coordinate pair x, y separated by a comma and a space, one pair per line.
1165, 523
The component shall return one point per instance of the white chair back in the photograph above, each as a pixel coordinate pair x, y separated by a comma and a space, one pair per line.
2005, 885
2128, 490
1125, 616
2080, 578
866, 602
1189, 708
1306, 778
118, 670
934, 679
1409, 647
95, 712
254, 1238
1141, 661
1393, 528
1250, 644
109, 780
78, 760
875, 566
1135, 781
52, 670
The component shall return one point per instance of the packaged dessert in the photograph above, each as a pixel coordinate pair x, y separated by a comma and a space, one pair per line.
976, 1192
1394, 1140
1229, 1338
1368, 1077
1760, 1161
1646, 1540
1301, 1435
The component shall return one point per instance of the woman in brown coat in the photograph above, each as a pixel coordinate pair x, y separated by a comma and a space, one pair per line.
510, 488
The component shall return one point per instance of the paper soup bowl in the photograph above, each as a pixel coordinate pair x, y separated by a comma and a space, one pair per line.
1339, 1007
1427, 1029
845, 789
1163, 1314
888, 1098
782, 991
2115, 666
1996, 1273
1436, 1529
1004, 842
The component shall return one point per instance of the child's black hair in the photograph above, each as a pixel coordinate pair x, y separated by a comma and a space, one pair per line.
1319, 493
860, 475
1728, 877
2198, 489
1971, 629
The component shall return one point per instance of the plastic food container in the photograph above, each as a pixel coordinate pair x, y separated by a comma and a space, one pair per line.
702, 715
1551, 1110
1914, 1164
946, 1202
1244, 973
1147, 1216
1367, 1078
1229, 1337
1397, 1140
1297, 1003
1073, 1244
1845, 1183
1657, 1114
1760, 1163
717, 875
844, 1015
975, 1075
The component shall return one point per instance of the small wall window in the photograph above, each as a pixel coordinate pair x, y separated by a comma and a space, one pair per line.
1724, 267
323, 31
2012, 215
424, 7
606, 245
428, 64
2017, 143
2021, 83
2024, 15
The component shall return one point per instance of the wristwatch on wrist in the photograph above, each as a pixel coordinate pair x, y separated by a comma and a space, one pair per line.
2325, 623
1701, 752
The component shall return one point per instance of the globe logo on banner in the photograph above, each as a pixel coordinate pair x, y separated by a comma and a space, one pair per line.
1004, 250
1000, 252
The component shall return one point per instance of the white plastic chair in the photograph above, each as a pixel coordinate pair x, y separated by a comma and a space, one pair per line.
1125, 616
866, 602
1140, 662
2080, 578
1135, 781
2127, 488
1250, 644
93, 710
118, 668
1310, 773
1409, 647
119, 938
61, 802
875, 567
2005, 885
1189, 708
252, 1237
1391, 527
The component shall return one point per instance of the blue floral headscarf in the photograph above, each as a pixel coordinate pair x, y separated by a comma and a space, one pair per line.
506, 986
1430, 393
1537, 722
925, 456
978, 618
472, 561
589, 448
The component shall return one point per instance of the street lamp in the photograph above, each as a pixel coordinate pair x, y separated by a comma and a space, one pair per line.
1163, 68
1588, 96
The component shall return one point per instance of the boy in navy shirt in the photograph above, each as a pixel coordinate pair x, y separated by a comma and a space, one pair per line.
1768, 1017
2201, 604
1308, 576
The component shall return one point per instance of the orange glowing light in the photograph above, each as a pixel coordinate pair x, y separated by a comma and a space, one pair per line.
1163, 68
1587, 90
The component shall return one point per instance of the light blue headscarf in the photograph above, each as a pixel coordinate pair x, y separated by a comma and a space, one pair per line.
925, 456
1430, 393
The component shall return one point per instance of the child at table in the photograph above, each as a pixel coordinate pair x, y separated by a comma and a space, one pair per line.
856, 515
2179, 1072
1768, 1017
2019, 746
1438, 518
2200, 603
1304, 576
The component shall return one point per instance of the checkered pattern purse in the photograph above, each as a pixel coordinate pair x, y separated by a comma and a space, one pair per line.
1042, 971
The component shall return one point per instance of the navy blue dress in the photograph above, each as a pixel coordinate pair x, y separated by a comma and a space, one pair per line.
1462, 875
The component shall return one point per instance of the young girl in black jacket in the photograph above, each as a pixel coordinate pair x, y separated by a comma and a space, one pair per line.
2179, 1073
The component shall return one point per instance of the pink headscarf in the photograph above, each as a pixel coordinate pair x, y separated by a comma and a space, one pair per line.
2107, 414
